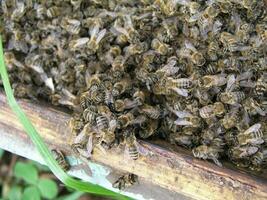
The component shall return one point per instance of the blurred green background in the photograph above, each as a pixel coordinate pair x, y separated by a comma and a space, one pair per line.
22, 179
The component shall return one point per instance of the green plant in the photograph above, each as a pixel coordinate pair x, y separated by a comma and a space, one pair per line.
41, 146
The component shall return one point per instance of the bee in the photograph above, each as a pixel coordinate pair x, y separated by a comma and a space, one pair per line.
184, 83
239, 152
217, 109
187, 119
112, 53
139, 97
259, 158
209, 81
213, 48
208, 152
170, 68
90, 114
181, 139
134, 49
72, 26
95, 39
253, 135
152, 112
76, 4
128, 32
198, 58
125, 104
232, 97
231, 42
125, 120
18, 12
85, 100
118, 66
131, 147
53, 12
11, 61
60, 158
149, 79
261, 87
125, 181
121, 86
76, 123
148, 128
230, 119
160, 47
253, 107
102, 122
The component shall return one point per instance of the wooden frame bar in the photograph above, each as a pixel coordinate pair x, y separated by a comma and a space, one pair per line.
167, 172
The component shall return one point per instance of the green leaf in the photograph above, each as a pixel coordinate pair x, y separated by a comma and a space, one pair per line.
15, 193
48, 188
41, 146
27, 172
1, 153
31, 193
73, 196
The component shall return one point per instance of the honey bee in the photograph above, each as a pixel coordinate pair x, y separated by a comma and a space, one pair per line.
209, 81
125, 120
139, 97
90, 114
230, 119
134, 49
151, 111
253, 107
198, 58
95, 39
232, 97
261, 87
72, 26
18, 12
148, 128
60, 158
102, 122
181, 139
217, 109
147, 78
128, 32
76, 123
239, 152
53, 12
118, 66
11, 61
208, 152
253, 135
231, 42
131, 146
187, 119
121, 86
125, 104
76, 4
112, 53
125, 181
259, 158
213, 48
160, 47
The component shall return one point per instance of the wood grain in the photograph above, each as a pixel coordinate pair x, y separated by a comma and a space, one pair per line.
176, 171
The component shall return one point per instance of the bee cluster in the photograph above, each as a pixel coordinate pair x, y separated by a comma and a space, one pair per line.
190, 72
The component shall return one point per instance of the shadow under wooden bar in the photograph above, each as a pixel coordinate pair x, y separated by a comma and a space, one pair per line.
163, 171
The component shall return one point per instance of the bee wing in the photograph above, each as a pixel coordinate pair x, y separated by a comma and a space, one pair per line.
182, 114
142, 150
112, 125
253, 128
100, 36
230, 82
94, 31
182, 122
89, 145
260, 111
180, 91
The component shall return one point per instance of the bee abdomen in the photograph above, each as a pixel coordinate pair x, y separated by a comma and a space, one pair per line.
133, 153
102, 122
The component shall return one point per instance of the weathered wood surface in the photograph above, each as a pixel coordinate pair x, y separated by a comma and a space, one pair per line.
178, 172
